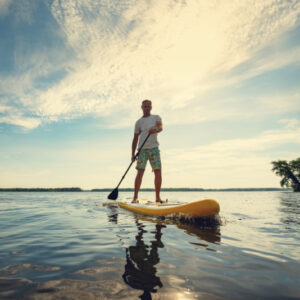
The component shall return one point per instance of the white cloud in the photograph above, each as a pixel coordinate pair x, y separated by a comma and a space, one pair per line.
19, 120
11, 115
236, 162
163, 50
234, 148
161, 55
3, 108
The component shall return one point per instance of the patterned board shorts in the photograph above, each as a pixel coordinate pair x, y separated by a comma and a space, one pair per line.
153, 155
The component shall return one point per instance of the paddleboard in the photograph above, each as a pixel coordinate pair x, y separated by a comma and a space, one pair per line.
196, 209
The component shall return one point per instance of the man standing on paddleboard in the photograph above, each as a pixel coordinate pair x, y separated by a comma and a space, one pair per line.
147, 124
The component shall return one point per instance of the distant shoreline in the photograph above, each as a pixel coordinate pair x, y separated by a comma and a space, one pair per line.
77, 189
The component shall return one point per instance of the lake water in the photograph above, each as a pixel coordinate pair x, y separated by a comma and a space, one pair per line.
72, 246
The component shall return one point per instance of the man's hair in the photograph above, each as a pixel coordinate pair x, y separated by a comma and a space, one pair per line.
146, 100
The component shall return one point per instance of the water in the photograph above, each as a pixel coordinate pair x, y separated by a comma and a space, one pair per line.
71, 246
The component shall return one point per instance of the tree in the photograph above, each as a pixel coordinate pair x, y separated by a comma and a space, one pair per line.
289, 171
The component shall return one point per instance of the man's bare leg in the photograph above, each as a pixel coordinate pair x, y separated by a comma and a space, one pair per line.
157, 184
137, 184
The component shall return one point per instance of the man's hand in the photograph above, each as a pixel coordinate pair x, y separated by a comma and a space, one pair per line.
157, 128
153, 130
132, 158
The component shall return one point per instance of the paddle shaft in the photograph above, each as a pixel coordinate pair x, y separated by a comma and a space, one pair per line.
140, 149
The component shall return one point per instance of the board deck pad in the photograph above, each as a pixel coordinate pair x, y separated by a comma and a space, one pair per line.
150, 203
201, 208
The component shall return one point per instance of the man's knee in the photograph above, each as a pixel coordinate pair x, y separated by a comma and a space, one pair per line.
157, 172
140, 172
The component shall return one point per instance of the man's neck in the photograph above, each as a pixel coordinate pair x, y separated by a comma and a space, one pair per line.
146, 115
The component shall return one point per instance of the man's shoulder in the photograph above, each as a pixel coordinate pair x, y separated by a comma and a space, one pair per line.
139, 120
157, 117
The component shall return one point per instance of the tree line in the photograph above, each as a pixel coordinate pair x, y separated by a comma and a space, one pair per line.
72, 189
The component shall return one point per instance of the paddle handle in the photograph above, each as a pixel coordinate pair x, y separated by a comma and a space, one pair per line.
139, 151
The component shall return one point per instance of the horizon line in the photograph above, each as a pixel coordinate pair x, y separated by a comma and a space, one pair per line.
78, 189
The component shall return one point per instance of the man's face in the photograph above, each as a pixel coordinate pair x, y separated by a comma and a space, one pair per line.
146, 107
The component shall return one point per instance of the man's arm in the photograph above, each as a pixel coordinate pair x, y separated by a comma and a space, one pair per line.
156, 129
134, 144
159, 126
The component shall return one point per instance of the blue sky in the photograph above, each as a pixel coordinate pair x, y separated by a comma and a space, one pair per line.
224, 77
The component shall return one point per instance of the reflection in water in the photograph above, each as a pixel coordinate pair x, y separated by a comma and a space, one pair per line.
113, 213
204, 232
140, 271
290, 206
140, 261
80, 259
210, 235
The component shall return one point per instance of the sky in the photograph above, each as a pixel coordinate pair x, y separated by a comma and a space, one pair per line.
223, 75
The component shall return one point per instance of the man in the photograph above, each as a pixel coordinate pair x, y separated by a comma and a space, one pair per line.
147, 124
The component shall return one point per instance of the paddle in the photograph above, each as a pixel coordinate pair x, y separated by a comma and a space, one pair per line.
114, 194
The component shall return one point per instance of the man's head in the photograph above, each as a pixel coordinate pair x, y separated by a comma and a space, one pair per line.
146, 107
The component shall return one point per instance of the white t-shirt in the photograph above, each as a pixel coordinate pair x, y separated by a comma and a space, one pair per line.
142, 126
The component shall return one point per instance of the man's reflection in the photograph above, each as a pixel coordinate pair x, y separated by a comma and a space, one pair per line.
140, 263
140, 271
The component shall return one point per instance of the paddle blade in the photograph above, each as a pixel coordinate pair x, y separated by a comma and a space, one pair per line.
113, 195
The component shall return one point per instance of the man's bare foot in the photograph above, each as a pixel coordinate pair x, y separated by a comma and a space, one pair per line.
135, 201
160, 201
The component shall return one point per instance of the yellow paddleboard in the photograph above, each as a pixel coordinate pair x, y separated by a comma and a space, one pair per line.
196, 209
